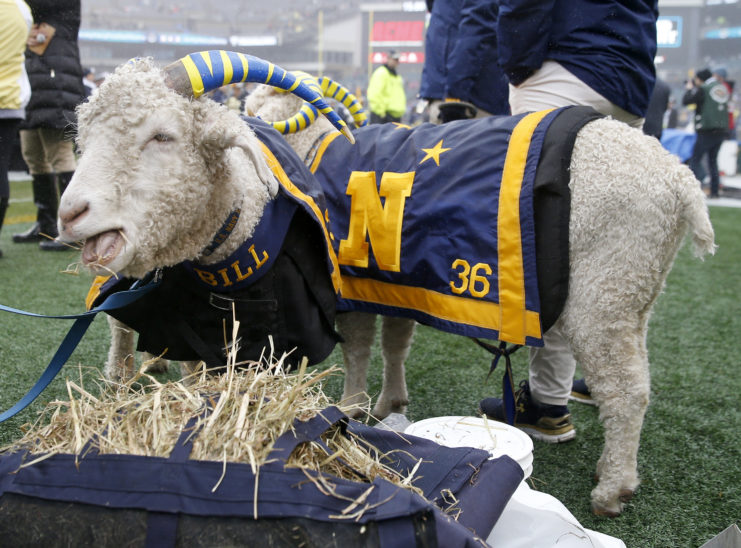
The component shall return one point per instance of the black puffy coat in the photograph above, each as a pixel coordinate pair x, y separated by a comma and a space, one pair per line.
55, 76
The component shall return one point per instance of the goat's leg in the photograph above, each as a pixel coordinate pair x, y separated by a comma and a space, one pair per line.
615, 364
358, 329
396, 340
120, 363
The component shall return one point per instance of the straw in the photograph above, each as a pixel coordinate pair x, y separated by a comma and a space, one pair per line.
241, 411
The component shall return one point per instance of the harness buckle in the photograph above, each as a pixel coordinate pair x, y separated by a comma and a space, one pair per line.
221, 302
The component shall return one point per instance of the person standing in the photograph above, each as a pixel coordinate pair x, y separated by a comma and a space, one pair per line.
574, 52
441, 35
55, 73
558, 53
15, 91
710, 97
473, 72
657, 107
88, 80
461, 77
387, 99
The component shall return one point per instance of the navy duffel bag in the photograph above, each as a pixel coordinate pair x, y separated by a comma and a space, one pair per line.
128, 500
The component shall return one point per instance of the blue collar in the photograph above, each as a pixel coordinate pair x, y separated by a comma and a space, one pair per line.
223, 233
254, 257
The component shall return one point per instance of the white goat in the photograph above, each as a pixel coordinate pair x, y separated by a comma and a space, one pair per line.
159, 172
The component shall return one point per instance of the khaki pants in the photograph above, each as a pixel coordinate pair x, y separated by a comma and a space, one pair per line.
552, 367
552, 86
47, 151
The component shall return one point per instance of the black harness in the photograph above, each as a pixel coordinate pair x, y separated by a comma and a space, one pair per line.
290, 308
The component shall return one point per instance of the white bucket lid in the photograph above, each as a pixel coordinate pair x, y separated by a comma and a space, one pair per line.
493, 436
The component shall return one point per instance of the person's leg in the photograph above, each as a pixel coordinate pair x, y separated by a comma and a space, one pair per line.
552, 368
59, 151
551, 371
8, 128
698, 152
61, 155
713, 149
32, 149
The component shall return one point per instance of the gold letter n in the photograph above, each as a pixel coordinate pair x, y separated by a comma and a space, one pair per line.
382, 223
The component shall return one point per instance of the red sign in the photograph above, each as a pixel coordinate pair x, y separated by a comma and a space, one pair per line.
398, 31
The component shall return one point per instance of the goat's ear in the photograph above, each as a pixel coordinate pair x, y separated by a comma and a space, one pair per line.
225, 131
251, 147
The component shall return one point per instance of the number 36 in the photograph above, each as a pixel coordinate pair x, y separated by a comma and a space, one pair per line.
471, 278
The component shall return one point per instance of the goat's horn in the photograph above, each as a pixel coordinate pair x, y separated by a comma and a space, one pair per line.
307, 114
337, 91
198, 73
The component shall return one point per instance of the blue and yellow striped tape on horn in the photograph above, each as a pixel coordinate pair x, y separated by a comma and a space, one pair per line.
209, 70
307, 114
301, 120
337, 91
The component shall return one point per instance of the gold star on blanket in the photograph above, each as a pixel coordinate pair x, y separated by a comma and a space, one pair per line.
434, 152
401, 126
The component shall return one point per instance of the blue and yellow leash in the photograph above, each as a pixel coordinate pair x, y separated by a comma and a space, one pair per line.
74, 335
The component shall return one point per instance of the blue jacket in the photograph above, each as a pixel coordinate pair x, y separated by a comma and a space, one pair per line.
440, 38
460, 55
609, 45
474, 74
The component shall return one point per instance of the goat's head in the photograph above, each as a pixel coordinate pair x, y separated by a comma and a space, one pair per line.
156, 161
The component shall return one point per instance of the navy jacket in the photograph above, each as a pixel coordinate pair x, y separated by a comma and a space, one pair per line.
461, 56
608, 45
474, 74
440, 38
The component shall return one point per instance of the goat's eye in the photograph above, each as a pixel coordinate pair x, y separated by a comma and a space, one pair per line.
161, 137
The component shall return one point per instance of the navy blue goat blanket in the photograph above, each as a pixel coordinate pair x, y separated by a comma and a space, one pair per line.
437, 222
171, 489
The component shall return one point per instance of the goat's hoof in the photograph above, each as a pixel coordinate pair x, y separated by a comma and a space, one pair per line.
355, 413
626, 494
399, 405
395, 405
608, 512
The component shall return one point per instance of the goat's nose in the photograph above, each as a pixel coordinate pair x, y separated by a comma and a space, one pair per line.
69, 214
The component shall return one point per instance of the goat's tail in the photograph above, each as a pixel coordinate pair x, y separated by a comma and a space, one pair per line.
694, 211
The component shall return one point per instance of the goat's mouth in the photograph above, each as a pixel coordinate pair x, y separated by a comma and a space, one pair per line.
101, 249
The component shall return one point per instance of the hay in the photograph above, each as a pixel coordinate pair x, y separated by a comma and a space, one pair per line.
240, 413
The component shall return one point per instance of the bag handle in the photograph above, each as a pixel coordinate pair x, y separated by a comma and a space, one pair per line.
305, 431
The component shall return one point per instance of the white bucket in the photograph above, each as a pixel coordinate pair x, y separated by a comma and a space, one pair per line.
493, 436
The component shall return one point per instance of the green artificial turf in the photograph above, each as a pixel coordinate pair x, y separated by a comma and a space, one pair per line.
690, 454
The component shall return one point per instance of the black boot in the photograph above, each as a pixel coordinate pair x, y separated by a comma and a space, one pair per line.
3, 209
63, 180
45, 199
